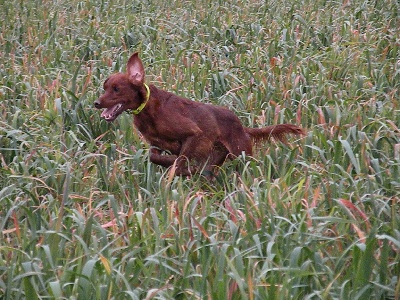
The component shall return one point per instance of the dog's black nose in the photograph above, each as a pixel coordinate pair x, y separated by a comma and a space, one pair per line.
97, 104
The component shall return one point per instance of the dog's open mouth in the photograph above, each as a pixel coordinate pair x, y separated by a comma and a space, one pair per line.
111, 113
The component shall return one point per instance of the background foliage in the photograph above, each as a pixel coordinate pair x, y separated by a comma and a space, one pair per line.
84, 215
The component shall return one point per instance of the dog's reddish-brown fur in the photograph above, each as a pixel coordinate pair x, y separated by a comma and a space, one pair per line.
190, 134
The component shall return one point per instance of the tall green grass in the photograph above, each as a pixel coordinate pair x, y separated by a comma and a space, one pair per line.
84, 215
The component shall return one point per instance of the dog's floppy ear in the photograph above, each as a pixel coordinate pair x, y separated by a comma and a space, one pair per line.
135, 70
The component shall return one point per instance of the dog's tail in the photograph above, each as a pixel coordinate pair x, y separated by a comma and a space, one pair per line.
276, 132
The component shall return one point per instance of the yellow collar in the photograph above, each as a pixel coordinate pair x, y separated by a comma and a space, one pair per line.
141, 106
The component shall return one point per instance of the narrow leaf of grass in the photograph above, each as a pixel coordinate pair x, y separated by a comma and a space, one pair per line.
56, 289
29, 289
85, 287
351, 155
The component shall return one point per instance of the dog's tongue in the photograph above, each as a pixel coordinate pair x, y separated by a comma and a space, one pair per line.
111, 113
106, 113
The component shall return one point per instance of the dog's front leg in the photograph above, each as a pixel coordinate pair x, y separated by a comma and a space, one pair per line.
158, 158
168, 160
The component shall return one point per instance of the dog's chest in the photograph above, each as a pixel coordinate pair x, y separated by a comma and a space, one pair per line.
156, 137
147, 128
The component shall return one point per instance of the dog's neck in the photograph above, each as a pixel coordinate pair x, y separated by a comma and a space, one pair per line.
144, 103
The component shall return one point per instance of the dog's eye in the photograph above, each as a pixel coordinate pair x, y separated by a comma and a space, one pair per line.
115, 88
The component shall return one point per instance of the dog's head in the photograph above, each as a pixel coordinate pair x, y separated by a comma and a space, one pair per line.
124, 91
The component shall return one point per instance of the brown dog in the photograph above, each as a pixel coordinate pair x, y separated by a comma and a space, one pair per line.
184, 133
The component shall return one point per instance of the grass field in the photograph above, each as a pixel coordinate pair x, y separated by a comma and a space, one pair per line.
85, 215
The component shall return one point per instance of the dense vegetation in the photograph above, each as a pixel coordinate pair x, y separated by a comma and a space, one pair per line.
84, 215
